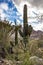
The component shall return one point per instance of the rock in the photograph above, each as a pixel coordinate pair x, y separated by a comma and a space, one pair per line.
6, 62
36, 60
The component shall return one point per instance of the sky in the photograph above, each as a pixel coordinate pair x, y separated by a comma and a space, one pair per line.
13, 10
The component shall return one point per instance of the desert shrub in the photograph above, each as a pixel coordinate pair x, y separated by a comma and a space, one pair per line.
5, 36
36, 48
33, 46
40, 43
26, 59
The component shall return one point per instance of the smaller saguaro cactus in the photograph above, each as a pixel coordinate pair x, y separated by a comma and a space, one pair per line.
26, 29
16, 40
16, 33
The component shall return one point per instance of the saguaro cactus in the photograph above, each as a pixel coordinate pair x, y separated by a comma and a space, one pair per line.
26, 29
16, 34
16, 40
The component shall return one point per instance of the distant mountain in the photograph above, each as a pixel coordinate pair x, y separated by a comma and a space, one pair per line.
36, 34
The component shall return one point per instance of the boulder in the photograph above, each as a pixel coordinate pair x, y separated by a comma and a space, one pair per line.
36, 60
6, 62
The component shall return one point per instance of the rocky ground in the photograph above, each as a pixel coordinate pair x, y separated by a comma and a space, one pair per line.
6, 62
36, 60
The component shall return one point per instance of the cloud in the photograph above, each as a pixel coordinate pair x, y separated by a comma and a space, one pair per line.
4, 6
37, 3
2, 15
38, 26
1, 10
17, 1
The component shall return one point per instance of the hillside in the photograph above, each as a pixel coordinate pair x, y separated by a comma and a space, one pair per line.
36, 34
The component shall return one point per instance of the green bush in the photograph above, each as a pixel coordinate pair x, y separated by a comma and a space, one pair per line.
26, 59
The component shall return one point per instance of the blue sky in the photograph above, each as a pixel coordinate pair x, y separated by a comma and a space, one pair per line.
13, 9
9, 11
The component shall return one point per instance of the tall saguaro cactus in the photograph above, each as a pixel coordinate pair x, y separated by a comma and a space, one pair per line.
26, 29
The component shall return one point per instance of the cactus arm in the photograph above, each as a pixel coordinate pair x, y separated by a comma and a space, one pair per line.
21, 33
30, 30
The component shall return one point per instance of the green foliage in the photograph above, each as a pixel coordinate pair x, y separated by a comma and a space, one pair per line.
5, 29
26, 60
5, 34
36, 48
40, 43
33, 47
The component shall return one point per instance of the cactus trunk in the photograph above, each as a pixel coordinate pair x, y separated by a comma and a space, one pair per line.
16, 37
25, 23
25, 26
16, 34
